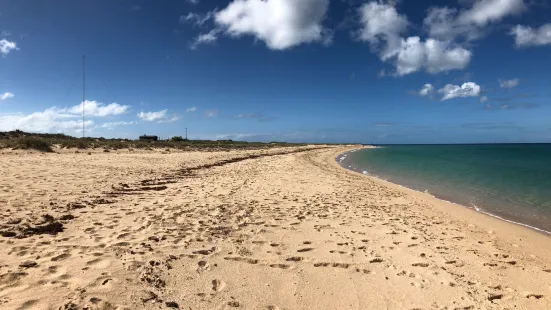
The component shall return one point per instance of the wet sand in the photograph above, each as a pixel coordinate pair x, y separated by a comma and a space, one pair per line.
275, 229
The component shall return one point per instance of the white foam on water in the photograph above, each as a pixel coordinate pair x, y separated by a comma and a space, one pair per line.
513, 222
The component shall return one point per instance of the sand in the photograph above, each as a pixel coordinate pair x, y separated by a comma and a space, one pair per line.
274, 229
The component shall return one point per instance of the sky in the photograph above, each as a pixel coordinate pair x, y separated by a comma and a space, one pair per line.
336, 71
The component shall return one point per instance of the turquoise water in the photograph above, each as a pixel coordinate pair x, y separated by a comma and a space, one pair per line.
512, 181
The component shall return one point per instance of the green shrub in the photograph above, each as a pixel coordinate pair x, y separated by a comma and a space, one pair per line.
31, 143
178, 139
79, 144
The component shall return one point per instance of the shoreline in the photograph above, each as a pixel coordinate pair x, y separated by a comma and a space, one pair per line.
341, 157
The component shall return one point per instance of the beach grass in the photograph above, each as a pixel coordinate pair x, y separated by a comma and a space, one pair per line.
30, 143
46, 142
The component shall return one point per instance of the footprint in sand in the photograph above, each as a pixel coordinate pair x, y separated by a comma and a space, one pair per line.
420, 264
535, 296
280, 266
242, 259
60, 257
99, 263
295, 259
364, 271
28, 304
218, 285
336, 265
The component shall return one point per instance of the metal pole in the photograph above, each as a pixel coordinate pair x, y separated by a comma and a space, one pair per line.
83, 90
186, 133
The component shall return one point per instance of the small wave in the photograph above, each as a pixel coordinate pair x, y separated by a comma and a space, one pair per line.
513, 222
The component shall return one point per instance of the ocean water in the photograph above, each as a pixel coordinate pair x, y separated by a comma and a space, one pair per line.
511, 181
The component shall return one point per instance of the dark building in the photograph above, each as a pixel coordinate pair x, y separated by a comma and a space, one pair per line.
148, 138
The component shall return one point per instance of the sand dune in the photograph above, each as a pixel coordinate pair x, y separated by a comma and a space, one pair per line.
274, 229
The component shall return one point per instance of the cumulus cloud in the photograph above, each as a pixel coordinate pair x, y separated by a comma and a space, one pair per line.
98, 109
152, 116
382, 25
56, 119
7, 46
509, 83
468, 89
6, 95
446, 23
382, 28
432, 55
483, 99
427, 90
158, 117
526, 36
211, 113
485, 11
49, 120
281, 24
192, 109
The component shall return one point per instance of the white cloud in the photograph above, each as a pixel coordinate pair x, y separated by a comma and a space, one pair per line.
6, 95
204, 38
49, 120
381, 22
61, 119
112, 125
211, 113
382, 27
281, 24
449, 23
159, 117
485, 11
152, 116
193, 1
527, 36
433, 56
427, 90
483, 99
98, 109
196, 18
509, 83
192, 109
7, 46
468, 89
169, 119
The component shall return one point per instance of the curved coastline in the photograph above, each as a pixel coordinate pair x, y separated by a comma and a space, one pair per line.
343, 156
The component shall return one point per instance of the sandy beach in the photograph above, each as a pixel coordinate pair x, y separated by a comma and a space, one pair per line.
283, 228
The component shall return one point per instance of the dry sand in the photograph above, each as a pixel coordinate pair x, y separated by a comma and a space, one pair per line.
225, 230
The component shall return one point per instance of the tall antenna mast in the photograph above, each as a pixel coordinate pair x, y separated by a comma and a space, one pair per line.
83, 90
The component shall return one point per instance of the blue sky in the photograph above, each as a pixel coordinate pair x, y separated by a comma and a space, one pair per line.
310, 70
